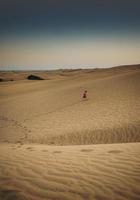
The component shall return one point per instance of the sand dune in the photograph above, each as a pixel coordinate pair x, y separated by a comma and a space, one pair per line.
53, 112
49, 135
70, 172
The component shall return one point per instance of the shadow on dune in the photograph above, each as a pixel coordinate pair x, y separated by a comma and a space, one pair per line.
11, 194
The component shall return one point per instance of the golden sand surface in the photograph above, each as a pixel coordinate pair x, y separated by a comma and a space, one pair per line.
56, 146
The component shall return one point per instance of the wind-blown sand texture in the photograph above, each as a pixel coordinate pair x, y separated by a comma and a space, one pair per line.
55, 146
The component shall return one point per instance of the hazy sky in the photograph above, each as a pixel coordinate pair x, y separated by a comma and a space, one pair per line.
49, 34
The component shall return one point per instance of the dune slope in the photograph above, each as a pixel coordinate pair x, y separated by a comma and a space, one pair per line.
55, 146
52, 112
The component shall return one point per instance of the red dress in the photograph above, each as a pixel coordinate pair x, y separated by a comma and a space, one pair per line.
84, 95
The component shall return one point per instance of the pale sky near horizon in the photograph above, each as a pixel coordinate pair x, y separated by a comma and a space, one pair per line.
69, 34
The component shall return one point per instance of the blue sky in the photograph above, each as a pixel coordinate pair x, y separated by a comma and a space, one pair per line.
69, 33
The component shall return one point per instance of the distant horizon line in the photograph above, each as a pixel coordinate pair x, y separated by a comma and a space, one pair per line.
70, 68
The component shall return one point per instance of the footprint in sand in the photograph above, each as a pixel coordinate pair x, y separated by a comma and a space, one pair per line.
45, 150
5, 141
114, 151
86, 150
18, 147
30, 148
20, 142
57, 152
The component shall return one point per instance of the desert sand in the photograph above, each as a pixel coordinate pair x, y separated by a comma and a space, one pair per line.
56, 146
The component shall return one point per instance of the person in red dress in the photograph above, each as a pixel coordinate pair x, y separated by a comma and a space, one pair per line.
85, 95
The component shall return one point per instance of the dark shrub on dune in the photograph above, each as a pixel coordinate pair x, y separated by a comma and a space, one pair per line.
34, 77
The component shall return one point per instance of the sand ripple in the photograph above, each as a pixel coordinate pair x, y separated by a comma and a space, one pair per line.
82, 172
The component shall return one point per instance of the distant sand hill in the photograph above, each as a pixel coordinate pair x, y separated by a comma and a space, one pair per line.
56, 146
